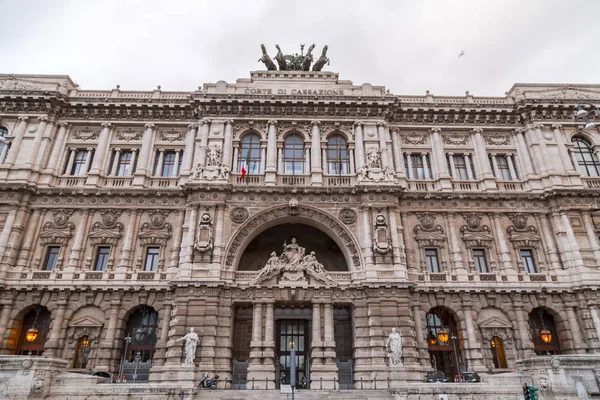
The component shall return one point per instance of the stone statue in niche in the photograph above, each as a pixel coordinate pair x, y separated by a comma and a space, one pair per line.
382, 243
394, 347
214, 168
372, 170
204, 239
293, 266
192, 340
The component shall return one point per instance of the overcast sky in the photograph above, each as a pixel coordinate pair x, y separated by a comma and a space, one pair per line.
407, 46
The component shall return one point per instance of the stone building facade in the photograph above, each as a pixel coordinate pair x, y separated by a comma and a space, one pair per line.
142, 214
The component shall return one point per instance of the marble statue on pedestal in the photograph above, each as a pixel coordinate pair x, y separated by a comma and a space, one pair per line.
394, 346
192, 340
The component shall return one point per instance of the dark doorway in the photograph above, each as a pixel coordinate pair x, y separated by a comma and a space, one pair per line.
292, 333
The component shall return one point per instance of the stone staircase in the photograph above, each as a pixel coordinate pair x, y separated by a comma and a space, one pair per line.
206, 394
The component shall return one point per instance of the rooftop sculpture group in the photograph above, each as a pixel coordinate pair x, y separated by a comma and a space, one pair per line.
294, 62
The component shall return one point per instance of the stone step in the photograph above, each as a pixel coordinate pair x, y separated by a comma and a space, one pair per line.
206, 394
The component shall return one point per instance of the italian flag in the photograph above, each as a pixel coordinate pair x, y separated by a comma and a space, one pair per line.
245, 166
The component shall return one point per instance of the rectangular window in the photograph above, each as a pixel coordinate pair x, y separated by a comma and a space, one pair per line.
503, 169
124, 166
460, 167
528, 262
480, 261
79, 163
51, 258
151, 263
168, 167
416, 169
431, 259
102, 258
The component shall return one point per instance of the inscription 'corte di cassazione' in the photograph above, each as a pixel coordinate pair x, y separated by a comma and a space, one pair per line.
297, 92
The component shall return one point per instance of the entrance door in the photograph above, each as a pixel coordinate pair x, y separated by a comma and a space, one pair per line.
292, 332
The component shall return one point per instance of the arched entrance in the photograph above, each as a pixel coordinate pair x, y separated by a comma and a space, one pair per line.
543, 332
34, 332
303, 258
443, 341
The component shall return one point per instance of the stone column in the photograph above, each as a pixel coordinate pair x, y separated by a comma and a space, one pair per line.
306, 169
317, 342
409, 173
473, 350
269, 342
187, 245
220, 219
579, 347
577, 259
4, 316
480, 151
159, 164
37, 140
496, 169
188, 153
5, 235
352, 162
103, 142
452, 166
144, 158
204, 141
562, 241
439, 158
454, 246
398, 161
316, 169
175, 173
549, 242
422, 347
408, 248
366, 238
86, 165
383, 146
271, 169
263, 156
562, 148
327, 370
257, 371
115, 164
177, 235
397, 247
523, 152
161, 345
80, 235
228, 143
15, 145
546, 165
524, 336
28, 240
504, 252
359, 144
468, 166
108, 344
425, 166
70, 161
236, 156
125, 259
591, 234
57, 148
52, 345
511, 167
325, 165
593, 311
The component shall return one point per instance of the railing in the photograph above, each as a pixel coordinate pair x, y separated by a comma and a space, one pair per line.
592, 183
347, 383
465, 186
72, 181
339, 180
340, 276
421, 185
294, 180
509, 186
245, 276
248, 179
120, 181
164, 182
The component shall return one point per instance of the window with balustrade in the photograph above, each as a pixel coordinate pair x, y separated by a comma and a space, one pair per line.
293, 155
123, 162
338, 157
461, 166
79, 162
167, 163
586, 158
417, 166
502, 167
249, 156
4, 144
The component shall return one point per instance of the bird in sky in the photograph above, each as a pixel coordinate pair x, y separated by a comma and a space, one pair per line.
462, 53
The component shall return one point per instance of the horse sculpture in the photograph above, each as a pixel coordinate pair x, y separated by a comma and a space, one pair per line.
265, 59
283, 66
322, 60
308, 59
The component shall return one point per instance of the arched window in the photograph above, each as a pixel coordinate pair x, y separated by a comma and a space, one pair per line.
442, 337
82, 352
543, 332
37, 320
249, 155
587, 160
338, 159
293, 155
142, 327
498, 355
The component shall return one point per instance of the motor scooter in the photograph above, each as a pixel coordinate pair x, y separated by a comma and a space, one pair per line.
206, 383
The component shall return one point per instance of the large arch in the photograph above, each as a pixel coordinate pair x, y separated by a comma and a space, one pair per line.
294, 214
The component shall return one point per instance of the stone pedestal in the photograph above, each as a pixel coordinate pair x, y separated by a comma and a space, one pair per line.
324, 376
183, 376
261, 376
26, 377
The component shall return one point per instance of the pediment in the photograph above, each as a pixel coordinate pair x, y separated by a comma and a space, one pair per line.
554, 92
106, 233
565, 93
524, 236
494, 322
155, 234
424, 235
479, 236
86, 321
53, 233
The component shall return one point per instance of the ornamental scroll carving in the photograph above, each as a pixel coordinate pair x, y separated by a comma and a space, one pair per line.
382, 242
521, 234
86, 134
239, 215
415, 138
214, 168
428, 233
372, 171
58, 231
293, 267
497, 139
108, 231
455, 139
204, 241
157, 231
474, 233
171, 135
128, 134
302, 211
